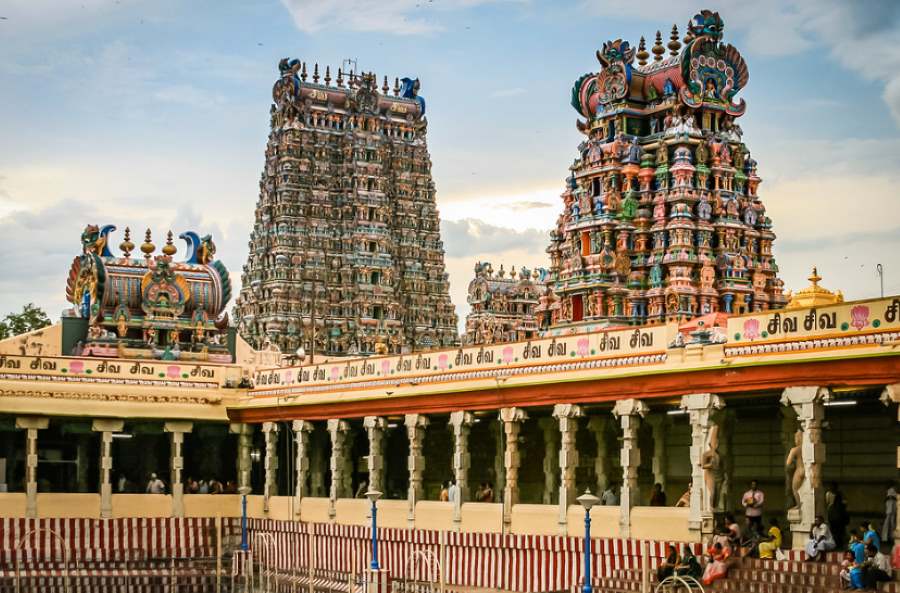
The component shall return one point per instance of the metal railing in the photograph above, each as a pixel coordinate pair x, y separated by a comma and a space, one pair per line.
65, 548
679, 583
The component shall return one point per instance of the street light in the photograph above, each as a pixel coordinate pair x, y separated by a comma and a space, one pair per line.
244, 491
373, 496
587, 500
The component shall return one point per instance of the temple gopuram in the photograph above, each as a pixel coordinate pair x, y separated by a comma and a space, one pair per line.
662, 219
502, 307
145, 446
345, 253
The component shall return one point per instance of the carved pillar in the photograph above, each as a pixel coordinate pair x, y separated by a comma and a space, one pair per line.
808, 458
415, 431
176, 463
106, 428
375, 426
338, 430
568, 416
461, 424
629, 412
317, 464
550, 430
598, 425
700, 408
244, 462
659, 426
512, 419
499, 470
81, 473
892, 394
270, 483
302, 430
31, 425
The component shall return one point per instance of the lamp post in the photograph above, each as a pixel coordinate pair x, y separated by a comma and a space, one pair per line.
373, 496
587, 500
244, 491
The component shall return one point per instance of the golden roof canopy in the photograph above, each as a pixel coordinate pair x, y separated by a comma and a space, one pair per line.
813, 295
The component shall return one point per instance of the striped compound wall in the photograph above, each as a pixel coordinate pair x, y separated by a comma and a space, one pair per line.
528, 564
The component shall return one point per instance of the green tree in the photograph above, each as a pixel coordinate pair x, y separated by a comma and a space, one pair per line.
31, 318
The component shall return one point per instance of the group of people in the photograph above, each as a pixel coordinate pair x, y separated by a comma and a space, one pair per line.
864, 565
209, 486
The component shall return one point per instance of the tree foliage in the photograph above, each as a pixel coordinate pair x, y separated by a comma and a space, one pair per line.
30, 319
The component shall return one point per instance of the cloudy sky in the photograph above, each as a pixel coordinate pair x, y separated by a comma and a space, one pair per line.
155, 113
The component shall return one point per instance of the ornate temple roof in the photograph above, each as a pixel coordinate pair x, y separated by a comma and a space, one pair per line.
813, 295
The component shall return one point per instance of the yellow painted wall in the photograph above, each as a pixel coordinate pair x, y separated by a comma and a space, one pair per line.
661, 523
482, 517
433, 514
141, 505
604, 521
212, 505
535, 519
351, 511
393, 513
12, 505
314, 510
68, 505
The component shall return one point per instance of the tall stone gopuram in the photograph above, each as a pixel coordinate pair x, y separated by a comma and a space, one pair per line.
345, 248
661, 218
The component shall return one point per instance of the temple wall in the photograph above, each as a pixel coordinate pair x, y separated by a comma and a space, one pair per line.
137, 505
75, 505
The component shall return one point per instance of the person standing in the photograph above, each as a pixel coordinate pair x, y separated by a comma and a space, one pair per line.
610, 497
753, 501
836, 512
453, 492
890, 515
155, 485
657, 497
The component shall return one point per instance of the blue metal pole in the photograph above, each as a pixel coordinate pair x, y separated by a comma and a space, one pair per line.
244, 545
587, 552
374, 537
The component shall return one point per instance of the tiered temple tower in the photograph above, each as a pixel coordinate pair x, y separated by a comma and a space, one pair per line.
661, 214
345, 249
502, 306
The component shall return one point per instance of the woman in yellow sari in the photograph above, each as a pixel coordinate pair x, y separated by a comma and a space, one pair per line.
767, 548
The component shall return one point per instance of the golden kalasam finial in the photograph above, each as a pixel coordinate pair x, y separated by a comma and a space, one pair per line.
688, 36
316, 73
396, 86
126, 245
674, 44
147, 247
169, 248
340, 78
385, 87
327, 75
303, 72
658, 49
642, 53
815, 278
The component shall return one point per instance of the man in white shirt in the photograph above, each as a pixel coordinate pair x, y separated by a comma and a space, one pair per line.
610, 496
453, 492
752, 501
876, 568
155, 485
820, 540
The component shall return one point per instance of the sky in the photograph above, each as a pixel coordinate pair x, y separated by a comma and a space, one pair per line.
155, 113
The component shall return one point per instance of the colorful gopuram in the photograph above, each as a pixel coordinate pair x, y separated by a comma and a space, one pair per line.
502, 307
345, 252
148, 306
662, 219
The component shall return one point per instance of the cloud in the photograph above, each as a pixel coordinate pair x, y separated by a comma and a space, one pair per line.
397, 17
470, 237
529, 205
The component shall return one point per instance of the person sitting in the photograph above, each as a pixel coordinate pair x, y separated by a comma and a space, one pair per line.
820, 540
689, 565
717, 567
772, 543
851, 572
685, 499
870, 535
667, 566
658, 497
857, 548
734, 531
487, 495
876, 569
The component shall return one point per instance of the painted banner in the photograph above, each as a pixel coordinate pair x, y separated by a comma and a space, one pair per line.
846, 319
75, 369
605, 344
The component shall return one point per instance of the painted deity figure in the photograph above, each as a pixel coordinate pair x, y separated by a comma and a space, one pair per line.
704, 209
634, 152
794, 463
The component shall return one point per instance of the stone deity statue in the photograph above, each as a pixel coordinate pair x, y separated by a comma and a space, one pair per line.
711, 463
794, 464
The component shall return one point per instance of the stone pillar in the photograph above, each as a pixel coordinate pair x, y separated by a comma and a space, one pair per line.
461, 424
415, 430
598, 425
302, 429
176, 463
317, 464
499, 470
512, 419
31, 425
338, 430
726, 450
700, 408
270, 465
106, 428
892, 394
550, 428
659, 426
245, 446
375, 426
807, 457
629, 412
568, 416
81, 472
